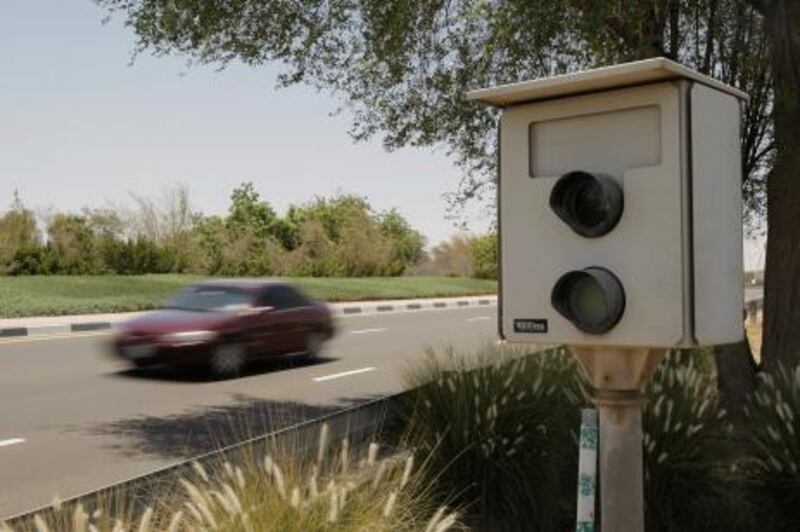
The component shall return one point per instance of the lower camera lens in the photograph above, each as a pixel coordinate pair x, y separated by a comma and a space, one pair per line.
592, 299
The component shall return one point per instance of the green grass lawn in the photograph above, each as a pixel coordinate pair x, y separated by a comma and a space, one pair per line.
61, 294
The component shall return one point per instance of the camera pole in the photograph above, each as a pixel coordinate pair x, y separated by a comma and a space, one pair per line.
617, 376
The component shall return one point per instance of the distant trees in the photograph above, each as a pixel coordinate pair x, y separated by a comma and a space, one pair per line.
337, 236
18, 234
462, 256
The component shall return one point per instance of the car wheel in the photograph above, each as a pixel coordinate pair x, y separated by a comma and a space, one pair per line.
314, 342
227, 361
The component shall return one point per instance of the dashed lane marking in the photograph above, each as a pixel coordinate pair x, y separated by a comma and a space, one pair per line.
367, 331
343, 374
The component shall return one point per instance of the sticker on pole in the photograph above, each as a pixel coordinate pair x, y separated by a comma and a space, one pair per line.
532, 326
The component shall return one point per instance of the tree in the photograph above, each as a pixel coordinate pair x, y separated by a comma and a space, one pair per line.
782, 276
73, 244
402, 69
483, 250
18, 233
407, 244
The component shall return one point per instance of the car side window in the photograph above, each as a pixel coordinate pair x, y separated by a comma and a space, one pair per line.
282, 298
295, 298
266, 299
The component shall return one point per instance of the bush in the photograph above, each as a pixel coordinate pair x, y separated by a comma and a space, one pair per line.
773, 448
501, 428
328, 237
690, 451
18, 236
341, 492
451, 258
483, 250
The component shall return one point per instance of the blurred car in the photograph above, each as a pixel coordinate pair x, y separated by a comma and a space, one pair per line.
220, 325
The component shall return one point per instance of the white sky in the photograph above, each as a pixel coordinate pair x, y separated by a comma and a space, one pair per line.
79, 127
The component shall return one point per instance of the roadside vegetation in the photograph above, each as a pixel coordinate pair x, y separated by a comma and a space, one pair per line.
339, 236
60, 295
501, 426
337, 490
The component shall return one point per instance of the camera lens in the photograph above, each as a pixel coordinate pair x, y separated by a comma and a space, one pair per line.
588, 204
592, 299
591, 204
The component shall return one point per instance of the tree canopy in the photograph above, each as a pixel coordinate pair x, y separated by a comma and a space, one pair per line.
402, 68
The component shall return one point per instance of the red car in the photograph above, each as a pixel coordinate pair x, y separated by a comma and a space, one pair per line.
220, 325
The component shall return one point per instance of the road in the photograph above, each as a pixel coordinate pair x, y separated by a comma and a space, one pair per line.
72, 419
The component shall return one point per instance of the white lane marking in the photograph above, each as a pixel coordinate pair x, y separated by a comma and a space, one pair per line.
479, 318
343, 374
11, 441
367, 331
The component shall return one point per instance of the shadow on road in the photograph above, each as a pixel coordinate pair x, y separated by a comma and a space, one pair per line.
206, 429
253, 368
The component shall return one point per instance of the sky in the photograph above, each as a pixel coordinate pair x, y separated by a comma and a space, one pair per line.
82, 126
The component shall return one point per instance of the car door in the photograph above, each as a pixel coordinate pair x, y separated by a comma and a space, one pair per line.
279, 322
297, 307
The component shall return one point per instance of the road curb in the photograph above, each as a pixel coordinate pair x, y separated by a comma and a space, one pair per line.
349, 309
407, 305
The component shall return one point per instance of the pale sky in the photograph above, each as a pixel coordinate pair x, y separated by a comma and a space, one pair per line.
79, 126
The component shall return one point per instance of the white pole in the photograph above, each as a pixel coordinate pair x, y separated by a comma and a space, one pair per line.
587, 471
621, 476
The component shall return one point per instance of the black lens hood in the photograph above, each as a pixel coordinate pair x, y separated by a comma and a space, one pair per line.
609, 284
567, 188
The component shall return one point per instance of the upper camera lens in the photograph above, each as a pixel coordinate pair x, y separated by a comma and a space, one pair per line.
590, 204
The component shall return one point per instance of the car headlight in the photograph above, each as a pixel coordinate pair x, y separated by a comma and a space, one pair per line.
188, 337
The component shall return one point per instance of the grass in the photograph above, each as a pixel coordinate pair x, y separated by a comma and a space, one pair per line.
501, 428
337, 490
60, 294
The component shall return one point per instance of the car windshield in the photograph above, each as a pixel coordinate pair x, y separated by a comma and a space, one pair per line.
208, 299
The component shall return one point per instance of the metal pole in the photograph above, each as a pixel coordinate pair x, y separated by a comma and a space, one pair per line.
621, 469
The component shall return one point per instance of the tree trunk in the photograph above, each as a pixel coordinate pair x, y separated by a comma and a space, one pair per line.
781, 339
736, 374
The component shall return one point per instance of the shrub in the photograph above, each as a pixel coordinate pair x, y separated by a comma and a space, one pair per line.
501, 428
451, 258
483, 251
341, 492
689, 451
470, 411
773, 447
18, 233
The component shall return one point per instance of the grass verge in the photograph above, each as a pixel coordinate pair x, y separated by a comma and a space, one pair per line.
60, 294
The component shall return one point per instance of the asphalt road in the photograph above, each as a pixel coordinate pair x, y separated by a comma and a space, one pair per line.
72, 419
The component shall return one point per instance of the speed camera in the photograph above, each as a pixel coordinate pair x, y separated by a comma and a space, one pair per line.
620, 208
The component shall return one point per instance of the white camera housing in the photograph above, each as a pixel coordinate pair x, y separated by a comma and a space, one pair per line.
669, 137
